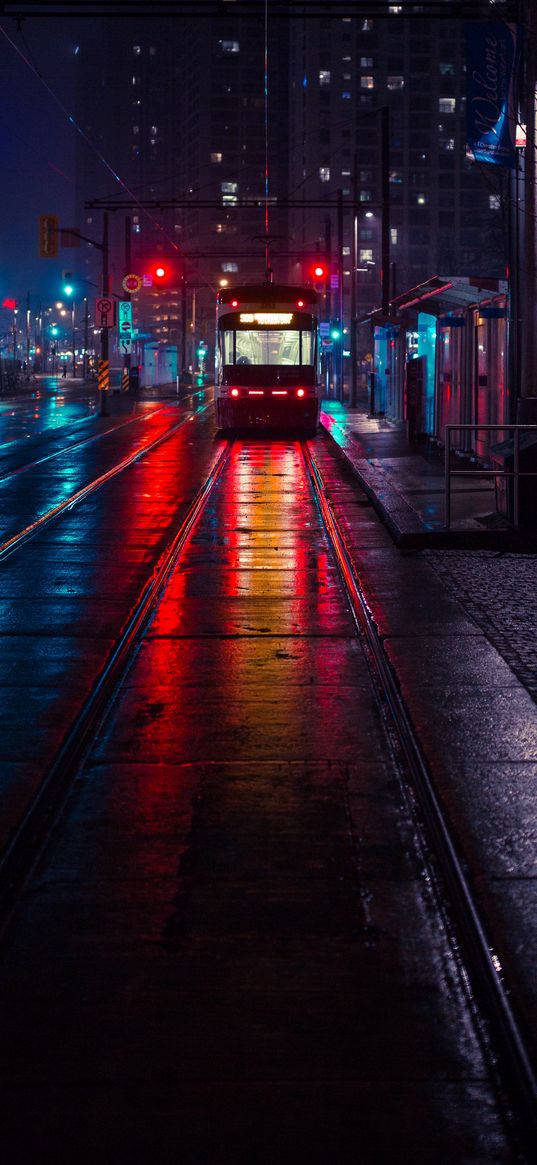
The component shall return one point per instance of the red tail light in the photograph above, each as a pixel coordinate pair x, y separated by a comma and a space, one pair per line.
300, 391
234, 392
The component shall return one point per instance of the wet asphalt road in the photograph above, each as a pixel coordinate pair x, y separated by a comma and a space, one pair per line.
229, 950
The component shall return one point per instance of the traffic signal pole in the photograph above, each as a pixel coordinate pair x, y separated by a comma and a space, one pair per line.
104, 366
127, 355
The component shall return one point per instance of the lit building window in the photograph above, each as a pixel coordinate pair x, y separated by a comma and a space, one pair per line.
345, 173
230, 266
324, 173
396, 82
367, 25
346, 96
396, 177
154, 130
229, 46
393, 235
136, 48
447, 144
421, 199
229, 187
366, 62
367, 82
365, 196
136, 129
366, 254
447, 69
447, 104
495, 202
216, 157
346, 250
135, 80
324, 77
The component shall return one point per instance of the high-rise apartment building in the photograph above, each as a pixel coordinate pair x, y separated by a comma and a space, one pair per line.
445, 212
178, 110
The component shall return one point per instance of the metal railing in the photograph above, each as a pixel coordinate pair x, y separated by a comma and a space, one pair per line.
495, 473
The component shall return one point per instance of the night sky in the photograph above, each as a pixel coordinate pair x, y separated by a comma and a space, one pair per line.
37, 150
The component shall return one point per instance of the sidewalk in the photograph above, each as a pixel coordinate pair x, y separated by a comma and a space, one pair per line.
405, 482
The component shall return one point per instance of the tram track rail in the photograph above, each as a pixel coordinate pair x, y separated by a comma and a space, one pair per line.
482, 964
480, 961
68, 449
16, 541
27, 844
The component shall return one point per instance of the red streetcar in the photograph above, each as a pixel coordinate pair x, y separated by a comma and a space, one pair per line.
267, 357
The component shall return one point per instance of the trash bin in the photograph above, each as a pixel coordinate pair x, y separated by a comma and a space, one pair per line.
134, 378
503, 461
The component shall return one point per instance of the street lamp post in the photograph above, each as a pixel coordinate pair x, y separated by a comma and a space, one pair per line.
70, 293
103, 371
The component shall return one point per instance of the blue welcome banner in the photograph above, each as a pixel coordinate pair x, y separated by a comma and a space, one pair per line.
491, 71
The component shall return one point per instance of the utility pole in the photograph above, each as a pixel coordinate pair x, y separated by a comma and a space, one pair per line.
27, 332
528, 386
339, 349
86, 337
183, 325
385, 212
354, 265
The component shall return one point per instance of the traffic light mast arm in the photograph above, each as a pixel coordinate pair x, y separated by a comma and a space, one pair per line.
86, 239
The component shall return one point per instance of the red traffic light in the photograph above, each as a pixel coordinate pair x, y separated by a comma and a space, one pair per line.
163, 273
319, 271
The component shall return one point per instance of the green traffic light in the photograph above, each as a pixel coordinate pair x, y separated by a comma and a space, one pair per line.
68, 289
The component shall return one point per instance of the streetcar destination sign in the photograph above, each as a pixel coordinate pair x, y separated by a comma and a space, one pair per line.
266, 317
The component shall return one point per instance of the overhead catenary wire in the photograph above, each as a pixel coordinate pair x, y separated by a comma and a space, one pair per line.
158, 226
265, 94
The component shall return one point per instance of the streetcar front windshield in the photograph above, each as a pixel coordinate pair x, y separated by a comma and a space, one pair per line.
267, 346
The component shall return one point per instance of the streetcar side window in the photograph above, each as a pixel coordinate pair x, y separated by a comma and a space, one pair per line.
264, 346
